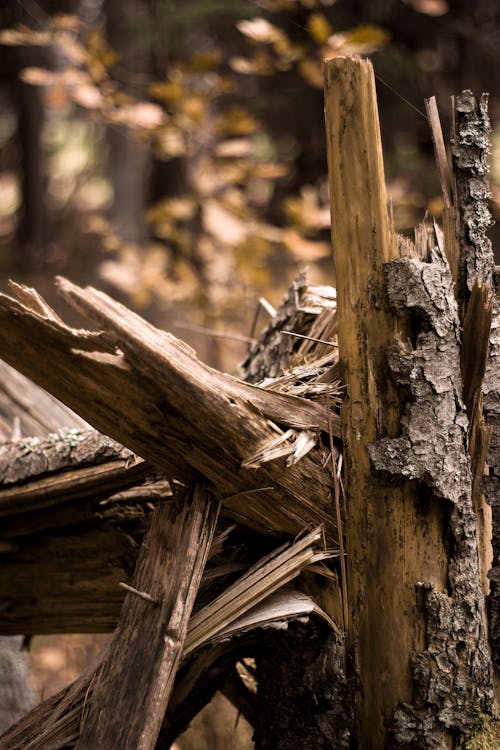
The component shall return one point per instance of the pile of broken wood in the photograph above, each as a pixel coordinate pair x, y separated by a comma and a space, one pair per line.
180, 549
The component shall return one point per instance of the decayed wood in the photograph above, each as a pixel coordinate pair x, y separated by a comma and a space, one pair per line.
452, 675
132, 688
65, 538
388, 530
55, 724
385, 520
28, 411
147, 390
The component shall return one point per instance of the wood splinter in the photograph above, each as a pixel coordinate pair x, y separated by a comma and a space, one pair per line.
142, 594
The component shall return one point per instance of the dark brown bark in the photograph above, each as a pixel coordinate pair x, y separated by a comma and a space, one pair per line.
302, 691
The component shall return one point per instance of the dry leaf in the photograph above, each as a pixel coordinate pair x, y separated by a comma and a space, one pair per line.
319, 28
260, 30
87, 96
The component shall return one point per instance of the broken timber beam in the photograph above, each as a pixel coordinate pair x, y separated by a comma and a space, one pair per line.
133, 686
148, 390
396, 530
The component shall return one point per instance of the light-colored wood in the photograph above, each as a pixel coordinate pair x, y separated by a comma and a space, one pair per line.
390, 544
148, 390
132, 688
450, 221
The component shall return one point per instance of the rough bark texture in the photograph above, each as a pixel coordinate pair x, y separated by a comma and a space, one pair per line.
302, 691
470, 150
452, 676
491, 483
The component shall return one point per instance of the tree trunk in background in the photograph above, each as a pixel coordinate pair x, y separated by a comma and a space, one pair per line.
16, 697
129, 158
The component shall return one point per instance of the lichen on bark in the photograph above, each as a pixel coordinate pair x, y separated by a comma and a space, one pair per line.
471, 148
452, 676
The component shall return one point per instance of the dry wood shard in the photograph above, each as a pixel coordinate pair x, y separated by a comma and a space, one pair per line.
147, 390
131, 690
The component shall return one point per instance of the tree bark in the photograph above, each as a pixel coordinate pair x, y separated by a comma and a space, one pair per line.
416, 639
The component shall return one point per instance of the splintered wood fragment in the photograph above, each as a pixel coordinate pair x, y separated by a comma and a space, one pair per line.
269, 575
250, 602
450, 217
147, 390
385, 558
439, 149
133, 685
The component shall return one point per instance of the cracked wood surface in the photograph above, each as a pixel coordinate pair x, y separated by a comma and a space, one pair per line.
148, 390
133, 685
386, 520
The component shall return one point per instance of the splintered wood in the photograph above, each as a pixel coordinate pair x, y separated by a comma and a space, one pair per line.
402, 575
137, 676
148, 390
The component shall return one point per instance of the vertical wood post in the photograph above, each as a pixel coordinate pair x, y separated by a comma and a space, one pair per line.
134, 683
390, 545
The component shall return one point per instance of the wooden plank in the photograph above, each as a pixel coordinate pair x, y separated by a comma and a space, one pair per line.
148, 390
135, 681
385, 525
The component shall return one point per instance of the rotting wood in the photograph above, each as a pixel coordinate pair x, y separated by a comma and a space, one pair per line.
385, 520
470, 151
132, 687
452, 675
54, 724
147, 390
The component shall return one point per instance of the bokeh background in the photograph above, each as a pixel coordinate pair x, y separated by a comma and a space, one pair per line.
172, 153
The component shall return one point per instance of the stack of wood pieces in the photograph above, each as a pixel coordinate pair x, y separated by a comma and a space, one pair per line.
183, 550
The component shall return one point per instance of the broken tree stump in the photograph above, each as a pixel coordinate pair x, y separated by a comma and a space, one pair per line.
402, 577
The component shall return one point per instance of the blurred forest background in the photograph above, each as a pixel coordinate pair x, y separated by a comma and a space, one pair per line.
172, 153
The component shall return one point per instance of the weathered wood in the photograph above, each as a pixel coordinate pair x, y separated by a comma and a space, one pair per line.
452, 675
386, 520
134, 683
470, 151
28, 411
148, 390
54, 725
65, 541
